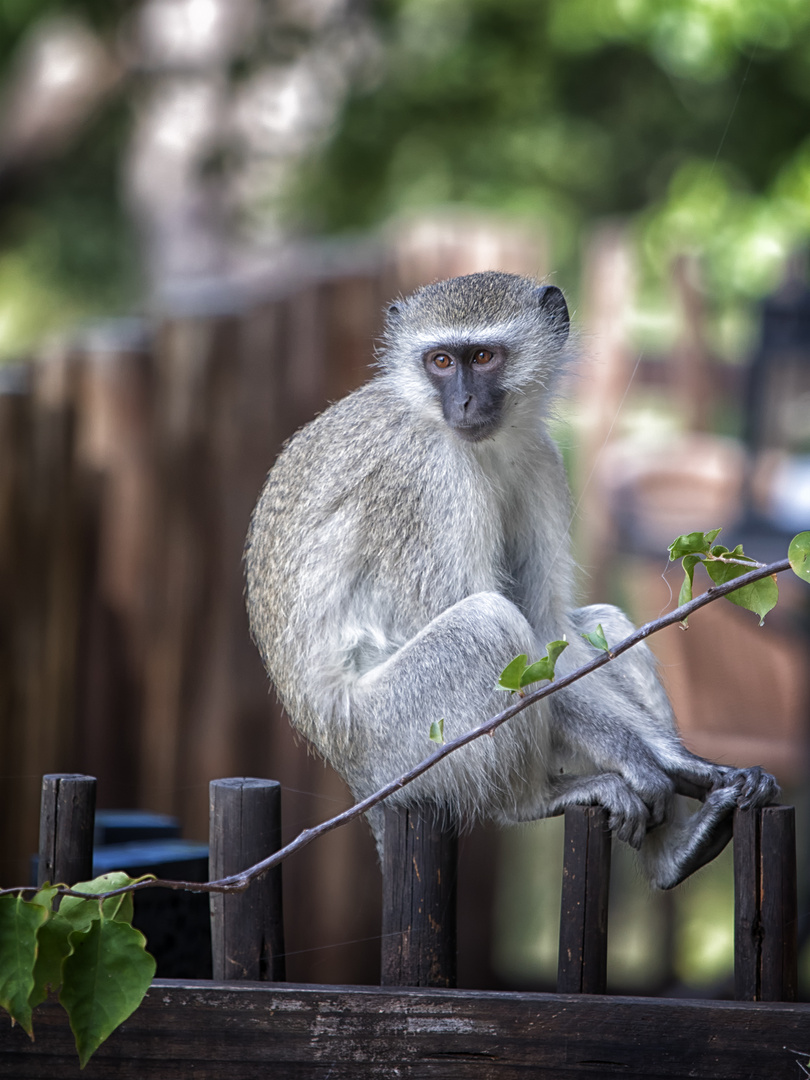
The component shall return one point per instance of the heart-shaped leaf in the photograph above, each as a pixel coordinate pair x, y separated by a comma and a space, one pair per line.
103, 981
19, 922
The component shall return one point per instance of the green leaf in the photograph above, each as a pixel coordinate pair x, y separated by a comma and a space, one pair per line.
597, 638
52, 949
696, 543
510, 676
544, 668
759, 597
44, 897
554, 648
437, 731
689, 564
799, 555
540, 669
80, 913
19, 922
105, 979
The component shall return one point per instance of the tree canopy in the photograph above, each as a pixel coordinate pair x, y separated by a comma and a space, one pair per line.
690, 115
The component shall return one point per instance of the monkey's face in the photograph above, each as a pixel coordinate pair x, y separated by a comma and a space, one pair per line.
470, 384
469, 350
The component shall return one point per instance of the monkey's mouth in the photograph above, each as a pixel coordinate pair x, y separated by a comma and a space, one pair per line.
475, 432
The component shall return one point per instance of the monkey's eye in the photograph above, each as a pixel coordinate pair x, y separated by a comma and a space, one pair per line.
442, 361
482, 356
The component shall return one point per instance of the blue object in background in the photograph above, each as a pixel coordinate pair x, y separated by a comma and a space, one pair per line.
176, 924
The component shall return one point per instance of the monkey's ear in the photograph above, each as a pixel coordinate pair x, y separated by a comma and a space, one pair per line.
394, 314
554, 309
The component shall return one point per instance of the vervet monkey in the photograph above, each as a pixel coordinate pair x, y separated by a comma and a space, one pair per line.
413, 539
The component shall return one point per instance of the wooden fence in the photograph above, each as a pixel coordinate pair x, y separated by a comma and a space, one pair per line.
130, 460
244, 1024
129, 464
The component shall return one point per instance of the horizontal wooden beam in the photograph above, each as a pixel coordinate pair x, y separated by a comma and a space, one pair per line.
223, 1030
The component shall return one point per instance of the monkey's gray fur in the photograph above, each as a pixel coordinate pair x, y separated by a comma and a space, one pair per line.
412, 540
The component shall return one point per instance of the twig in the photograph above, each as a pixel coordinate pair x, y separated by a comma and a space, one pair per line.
750, 563
239, 882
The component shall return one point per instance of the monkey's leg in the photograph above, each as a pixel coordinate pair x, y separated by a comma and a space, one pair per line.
675, 850
448, 670
620, 716
678, 848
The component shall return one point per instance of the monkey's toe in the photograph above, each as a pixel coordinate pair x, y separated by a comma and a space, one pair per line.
753, 786
758, 788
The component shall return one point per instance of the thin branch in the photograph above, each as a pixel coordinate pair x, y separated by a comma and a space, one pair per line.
749, 563
239, 882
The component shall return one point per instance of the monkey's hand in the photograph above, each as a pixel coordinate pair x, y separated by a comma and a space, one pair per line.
628, 815
655, 789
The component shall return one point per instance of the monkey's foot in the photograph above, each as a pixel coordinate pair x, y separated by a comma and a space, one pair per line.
677, 851
754, 787
681, 850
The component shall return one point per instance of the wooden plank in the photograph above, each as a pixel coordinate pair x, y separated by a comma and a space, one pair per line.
747, 945
67, 817
765, 904
779, 905
247, 930
582, 960
419, 900
218, 1031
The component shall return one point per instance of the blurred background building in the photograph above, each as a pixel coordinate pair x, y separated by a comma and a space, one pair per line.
204, 205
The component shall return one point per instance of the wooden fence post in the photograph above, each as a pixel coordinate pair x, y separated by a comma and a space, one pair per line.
582, 962
247, 929
420, 876
765, 904
66, 820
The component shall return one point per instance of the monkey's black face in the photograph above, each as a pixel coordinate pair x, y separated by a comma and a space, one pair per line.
469, 380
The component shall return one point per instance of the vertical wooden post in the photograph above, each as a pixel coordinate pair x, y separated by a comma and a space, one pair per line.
420, 873
582, 962
66, 820
765, 904
247, 929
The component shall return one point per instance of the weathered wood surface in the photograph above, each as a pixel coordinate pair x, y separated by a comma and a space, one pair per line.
66, 821
582, 958
420, 885
219, 1031
247, 929
765, 904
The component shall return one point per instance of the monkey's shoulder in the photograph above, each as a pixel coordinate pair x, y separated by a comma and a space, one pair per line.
371, 439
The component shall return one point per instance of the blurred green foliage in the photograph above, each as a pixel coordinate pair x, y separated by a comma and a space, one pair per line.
66, 244
689, 114
18, 16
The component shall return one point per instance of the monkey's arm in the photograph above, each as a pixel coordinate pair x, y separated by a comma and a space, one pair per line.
628, 817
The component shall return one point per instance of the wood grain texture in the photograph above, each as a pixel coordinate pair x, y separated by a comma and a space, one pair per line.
219, 1031
420, 877
582, 959
765, 904
247, 930
66, 821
